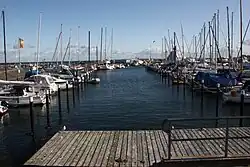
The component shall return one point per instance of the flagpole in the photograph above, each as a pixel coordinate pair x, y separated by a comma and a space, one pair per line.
38, 42
19, 52
4, 43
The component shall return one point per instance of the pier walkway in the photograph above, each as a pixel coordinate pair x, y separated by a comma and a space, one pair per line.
145, 147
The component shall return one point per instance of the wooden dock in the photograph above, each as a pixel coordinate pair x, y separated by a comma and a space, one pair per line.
142, 148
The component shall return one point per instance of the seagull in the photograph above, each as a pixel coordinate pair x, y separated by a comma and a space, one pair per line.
64, 127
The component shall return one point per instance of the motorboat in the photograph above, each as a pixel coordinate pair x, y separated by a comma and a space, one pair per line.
62, 83
17, 95
234, 95
94, 80
44, 81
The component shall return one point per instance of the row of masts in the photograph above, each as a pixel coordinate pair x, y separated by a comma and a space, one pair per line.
98, 52
207, 42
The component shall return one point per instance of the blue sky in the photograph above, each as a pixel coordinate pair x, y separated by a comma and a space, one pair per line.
136, 23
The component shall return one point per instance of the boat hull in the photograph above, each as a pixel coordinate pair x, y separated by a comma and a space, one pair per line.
16, 101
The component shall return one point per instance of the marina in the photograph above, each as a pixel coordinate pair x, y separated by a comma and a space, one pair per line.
181, 101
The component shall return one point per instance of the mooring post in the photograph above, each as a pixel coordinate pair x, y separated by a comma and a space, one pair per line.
59, 99
202, 96
217, 104
184, 86
168, 79
18, 74
47, 108
192, 85
31, 116
242, 97
67, 95
73, 92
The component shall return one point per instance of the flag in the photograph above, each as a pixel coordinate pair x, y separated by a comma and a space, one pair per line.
21, 43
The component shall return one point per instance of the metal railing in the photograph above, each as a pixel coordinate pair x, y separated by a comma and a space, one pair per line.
226, 137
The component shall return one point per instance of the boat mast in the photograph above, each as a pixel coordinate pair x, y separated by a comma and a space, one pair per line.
218, 32
204, 42
241, 55
105, 44
101, 45
78, 44
182, 42
232, 32
174, 48
162, 47
89, 46
165, 48
228, 38
170, 47
111, 47
61, 50
70, 32
215, 41
38, 42
195, 46
4, 47
210, 42
96, 53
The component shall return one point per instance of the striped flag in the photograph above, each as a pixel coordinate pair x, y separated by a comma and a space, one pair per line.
21, 43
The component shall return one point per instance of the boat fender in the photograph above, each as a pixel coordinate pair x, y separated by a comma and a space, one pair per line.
233, 93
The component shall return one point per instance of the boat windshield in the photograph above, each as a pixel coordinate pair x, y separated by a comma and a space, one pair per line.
51, 80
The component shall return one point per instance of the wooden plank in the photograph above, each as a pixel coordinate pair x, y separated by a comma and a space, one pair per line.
100, 158
57, 147
185, 145
109, 157
156, 151
62, 153
164, 144
94, 159
78, 145
150, 148
145, 150
124, 149
129, 150
88, 149
92, 150
205, 143
140, 157
159, 145
134, 156
49, 144
119, 149
49, 150
236, 145
82, 149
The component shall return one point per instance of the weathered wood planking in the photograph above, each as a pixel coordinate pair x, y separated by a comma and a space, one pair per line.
137, 148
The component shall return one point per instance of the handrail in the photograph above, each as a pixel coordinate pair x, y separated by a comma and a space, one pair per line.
169, 130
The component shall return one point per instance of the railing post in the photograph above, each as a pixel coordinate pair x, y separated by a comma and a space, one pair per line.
169, 140
226, 138
242, 106
217, 104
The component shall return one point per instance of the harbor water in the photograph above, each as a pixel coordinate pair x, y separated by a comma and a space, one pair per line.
130, 98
